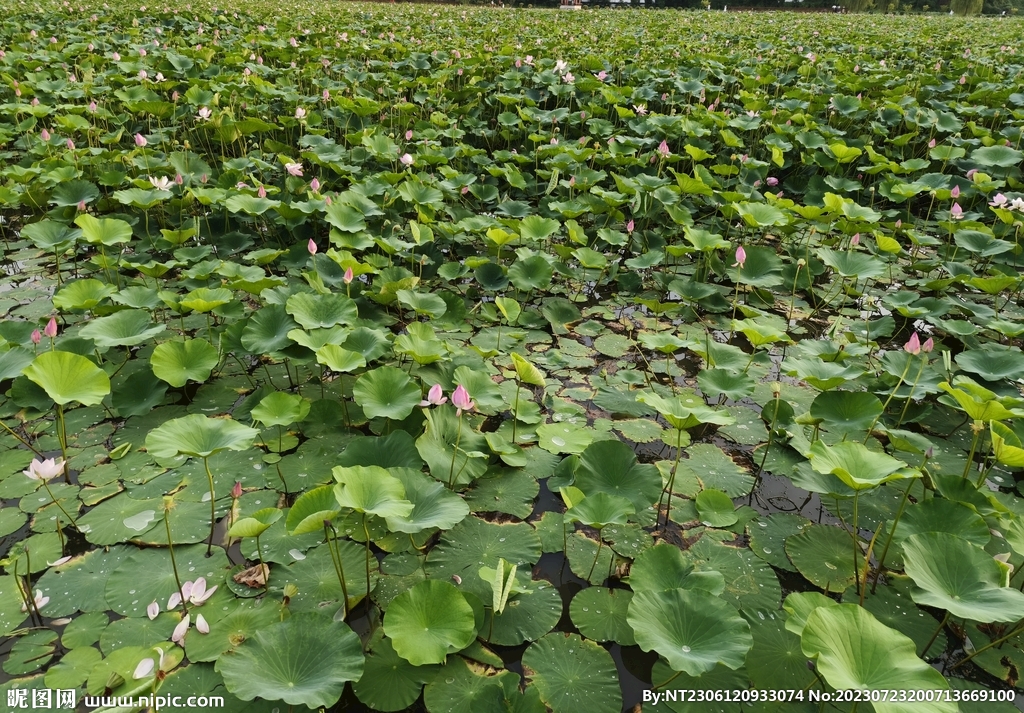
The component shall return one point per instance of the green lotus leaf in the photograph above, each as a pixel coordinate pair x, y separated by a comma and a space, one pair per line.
733, 385
51, 235
663, 567
853, 650
952, 574
82, 294
600, 509
321, 311
198, 436
611, 467
386, 392
389, 682
122, 329
532, 273
1002, 156
371, 489
281, 409
941, 515
67, 377
423, 303
824, 555
256, 524
694, 630
428, 620
205, 299
339, 359
526, 372
103, 231
177, 363
311, 509
993, 362
716, 508
433, 505
856, 465
573, 674
304, 660
846, 411
267, 330
600, 614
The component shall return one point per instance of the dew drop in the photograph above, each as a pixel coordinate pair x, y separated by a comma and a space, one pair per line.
686, 649
558, 441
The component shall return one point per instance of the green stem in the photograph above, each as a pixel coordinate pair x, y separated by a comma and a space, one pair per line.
170, 549
974, 447
62, 438
455, 453
515, 416
886, 404
213, 506
910, 396
924, 652
264, 570
336, 559
55, 502
366, 534
667, 491
856, 570
600, 542
987, 646
22, 440
892, 533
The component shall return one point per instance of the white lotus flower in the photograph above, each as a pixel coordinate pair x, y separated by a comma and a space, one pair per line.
44, 469
163, 183
39, 599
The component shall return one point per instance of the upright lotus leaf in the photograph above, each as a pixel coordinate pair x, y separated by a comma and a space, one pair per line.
304, 660
694, 630
82, 294
67, 377
371, 489
846, 411
682, 414
126, 328
611, 467
50, 235
321, 311
978, 403
198, 436
386, 392
993, 362
339, 359
103, 231
663, 567
206, 299
526, 372
177, 363
573, 674
281, 409
716, 508
853, 650
856, 465
601, 509
311, 510
952, 574
428, 620
433, 504
256, 524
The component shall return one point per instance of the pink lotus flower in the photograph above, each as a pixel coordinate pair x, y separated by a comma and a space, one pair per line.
640, 109
44, 135
630, 225
956, 212
50, 329
999, 200
140, 140
311, 246
194, 593
435, 397
971, 174
406, 159
348, 276
772, 181
913, 345
569, 78
928, 345
931, 144
461, 401
955, 193
236, 490
601, 76
37, 336
855, 240
741, 257
663, 149
314, 185
293, 169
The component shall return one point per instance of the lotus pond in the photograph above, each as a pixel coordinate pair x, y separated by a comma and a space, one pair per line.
458, 360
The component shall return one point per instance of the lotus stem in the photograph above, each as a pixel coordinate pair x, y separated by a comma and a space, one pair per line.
910, 396
515, 417
455, 453
924, 652
213, 506
862, 575
667, 681
987, 646
20, 439
57, 503
974, 447
170, 549
667, 490
62, 438
892, 532
856, 570
886, 404
264, 570
600, 542
366, 534
336, 559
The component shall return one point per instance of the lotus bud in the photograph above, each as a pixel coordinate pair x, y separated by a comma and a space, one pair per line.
140, 140
311, 246
36, 336
741, 257
349, 276
629, 226
51, 328
236, 490
928, 345
44, 135
913, 345
955, 193
314, 185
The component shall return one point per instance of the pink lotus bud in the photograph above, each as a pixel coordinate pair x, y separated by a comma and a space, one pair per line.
899, 223
51, 328
741, 257
179, 179
970, 174
70, 144
326, 95
772, 181
855, 240
955, 193
956, 212
37, 336
408, 135
349, 276
407, 160
630, 225
928, 345
261, 192
236, 490
435, 397
311, 246
664, 150
81, 205
461, 400
913, 345
140, 140
44, 135
931, 144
